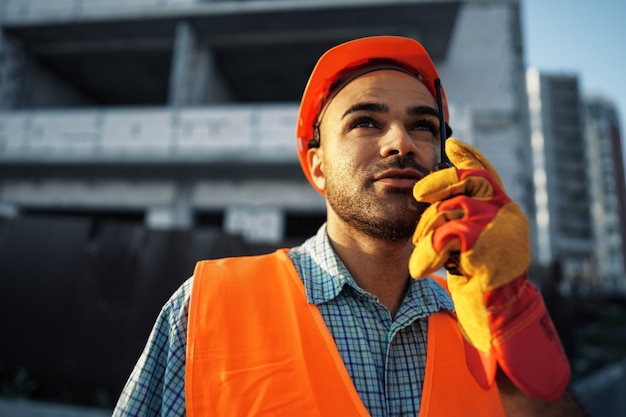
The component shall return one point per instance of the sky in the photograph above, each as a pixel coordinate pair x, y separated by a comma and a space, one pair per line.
580, 37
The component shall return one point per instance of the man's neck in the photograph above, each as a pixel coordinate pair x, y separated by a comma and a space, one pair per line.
378, 266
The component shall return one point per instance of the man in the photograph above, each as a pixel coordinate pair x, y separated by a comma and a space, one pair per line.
337, 326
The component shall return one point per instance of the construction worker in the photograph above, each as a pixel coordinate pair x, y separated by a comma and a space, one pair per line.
352, 322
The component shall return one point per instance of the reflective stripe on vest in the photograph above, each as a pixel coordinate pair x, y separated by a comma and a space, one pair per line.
255, 347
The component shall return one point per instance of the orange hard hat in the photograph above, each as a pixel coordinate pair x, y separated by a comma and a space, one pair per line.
342, 62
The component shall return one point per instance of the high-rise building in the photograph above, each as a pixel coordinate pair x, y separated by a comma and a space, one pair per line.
182, 113
563, 196
608, 192
579, 183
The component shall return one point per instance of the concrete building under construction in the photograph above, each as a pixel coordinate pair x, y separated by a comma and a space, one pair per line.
139, 136
181, 113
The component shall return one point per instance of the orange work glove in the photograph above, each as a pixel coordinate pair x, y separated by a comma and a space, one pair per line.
501, 314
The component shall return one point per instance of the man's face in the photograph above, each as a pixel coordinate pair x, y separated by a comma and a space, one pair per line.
378, 136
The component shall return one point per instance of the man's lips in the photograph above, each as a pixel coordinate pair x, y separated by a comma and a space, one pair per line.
402, 178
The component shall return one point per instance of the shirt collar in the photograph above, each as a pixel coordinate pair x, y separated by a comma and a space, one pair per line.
322, 272
324, 277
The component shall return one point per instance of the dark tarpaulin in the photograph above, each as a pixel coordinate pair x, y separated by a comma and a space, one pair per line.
79, 297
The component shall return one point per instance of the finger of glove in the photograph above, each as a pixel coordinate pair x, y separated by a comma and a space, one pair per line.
460, 217
465, 156
441, 185
432, 218
502, 252
437, 186
425, 260
476, 216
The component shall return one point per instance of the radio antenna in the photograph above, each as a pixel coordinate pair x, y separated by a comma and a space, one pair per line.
444, 162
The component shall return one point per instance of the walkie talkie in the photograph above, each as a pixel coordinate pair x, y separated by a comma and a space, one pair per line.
452, 264
444, 162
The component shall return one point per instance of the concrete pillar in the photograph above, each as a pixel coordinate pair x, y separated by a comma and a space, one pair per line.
10, 62
194, 78
176, 215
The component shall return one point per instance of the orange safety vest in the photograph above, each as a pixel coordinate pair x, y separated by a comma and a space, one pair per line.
255, 347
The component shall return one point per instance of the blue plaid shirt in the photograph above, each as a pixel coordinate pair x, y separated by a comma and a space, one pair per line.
384, 355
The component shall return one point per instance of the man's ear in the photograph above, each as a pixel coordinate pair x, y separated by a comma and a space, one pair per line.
316, 167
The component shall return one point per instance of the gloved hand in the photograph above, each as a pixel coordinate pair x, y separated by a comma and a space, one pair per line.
500, 312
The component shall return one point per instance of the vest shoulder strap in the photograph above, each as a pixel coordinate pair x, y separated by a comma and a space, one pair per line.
449, 387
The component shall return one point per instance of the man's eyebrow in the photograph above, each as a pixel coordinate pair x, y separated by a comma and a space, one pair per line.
422, 110
367, 106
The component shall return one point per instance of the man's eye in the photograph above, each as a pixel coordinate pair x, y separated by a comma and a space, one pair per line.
427, 125
363, 122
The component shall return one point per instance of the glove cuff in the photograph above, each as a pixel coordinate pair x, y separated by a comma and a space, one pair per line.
525, 342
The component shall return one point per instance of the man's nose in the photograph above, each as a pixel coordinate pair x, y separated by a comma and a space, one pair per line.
397, 141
